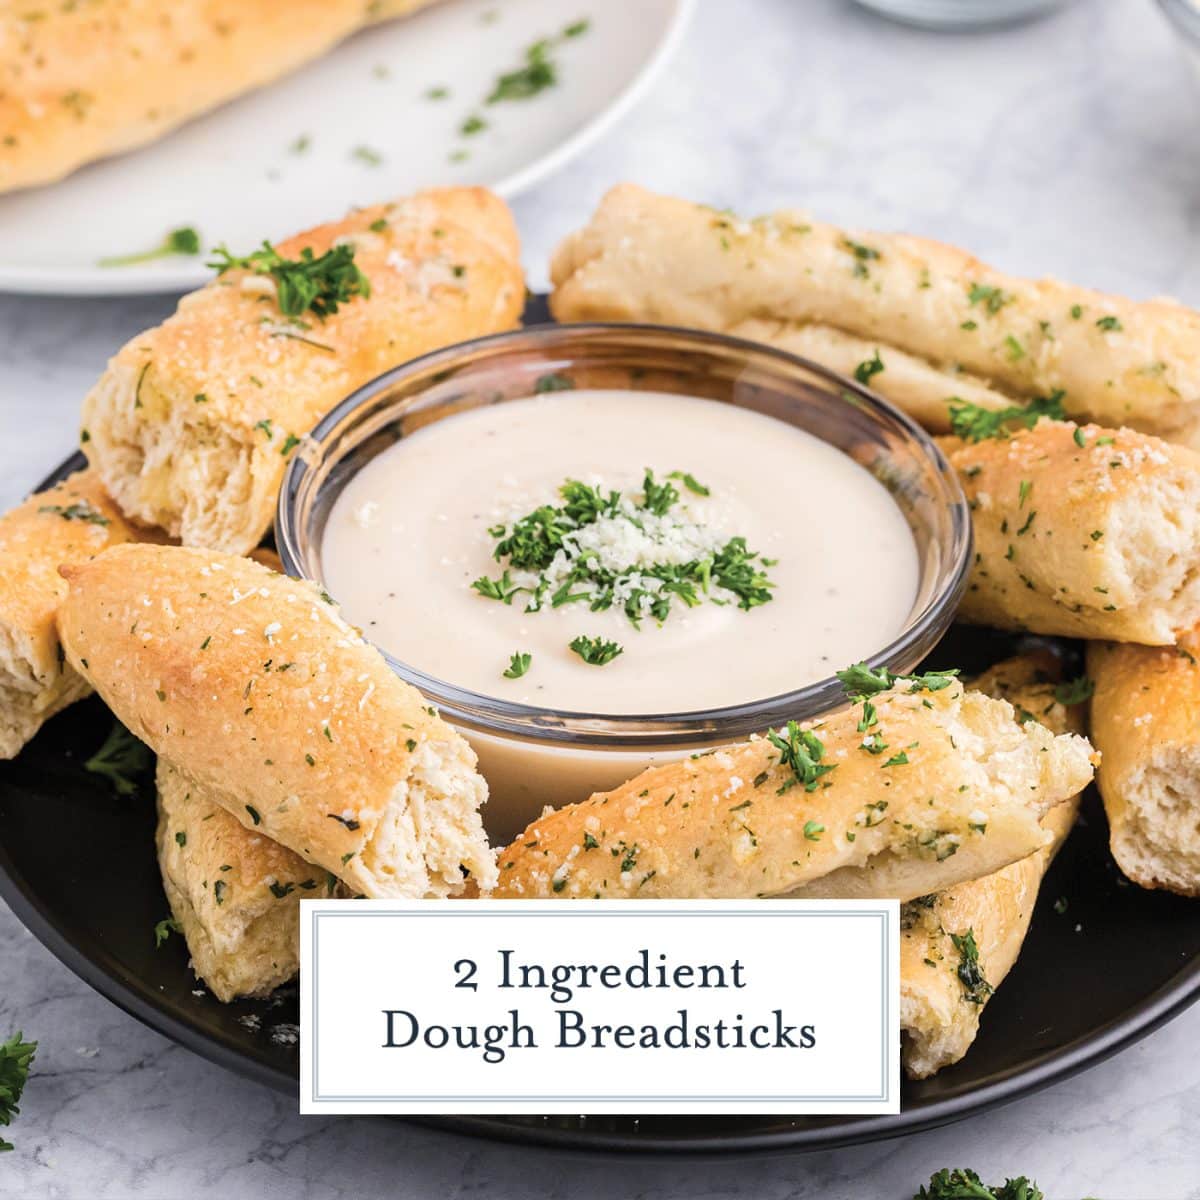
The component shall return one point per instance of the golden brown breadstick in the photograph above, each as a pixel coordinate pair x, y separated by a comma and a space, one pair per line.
1145, 718
86, 80
957, 946
1082, 531
68, 523
252, 685
235, 893
910, 803
193, 422
645, 257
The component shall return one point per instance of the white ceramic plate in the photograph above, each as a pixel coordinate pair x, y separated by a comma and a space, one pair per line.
369, 130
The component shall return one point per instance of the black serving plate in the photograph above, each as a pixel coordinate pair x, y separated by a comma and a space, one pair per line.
77, 865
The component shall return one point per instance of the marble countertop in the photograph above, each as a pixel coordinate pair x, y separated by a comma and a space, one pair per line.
1070, 147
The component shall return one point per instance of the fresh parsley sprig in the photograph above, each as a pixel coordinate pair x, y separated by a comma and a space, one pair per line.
975, 424
122, 760
518, 665
16, 1055
964, 1184
595, 651
976, 988
310, 283
862, 681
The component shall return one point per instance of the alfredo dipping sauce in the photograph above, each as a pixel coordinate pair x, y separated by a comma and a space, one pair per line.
620, 553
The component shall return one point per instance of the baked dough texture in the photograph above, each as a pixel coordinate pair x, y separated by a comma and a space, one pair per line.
252, 686
946, 326
235, 893
70, 522
81, 81
939, 1012
192, 423
1082, 531
1145, 718
958, 792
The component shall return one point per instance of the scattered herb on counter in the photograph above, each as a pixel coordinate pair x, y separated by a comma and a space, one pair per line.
472, 125
975, 424
122, 760
437, 93
976, 988
300, 145
16, 1056
518, 665
304, 284
164, 929
800, 751
184, 240
1074, 691
595, 651
963, 1184
81, 510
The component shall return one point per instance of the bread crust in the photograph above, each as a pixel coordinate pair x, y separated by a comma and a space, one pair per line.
1094, 540
939, 1015
83, 81
251, 685
1145, 717
653, 258
235, 893
965, 800
70, 522
193, 422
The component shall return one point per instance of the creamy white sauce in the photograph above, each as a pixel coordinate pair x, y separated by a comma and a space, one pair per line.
409, 535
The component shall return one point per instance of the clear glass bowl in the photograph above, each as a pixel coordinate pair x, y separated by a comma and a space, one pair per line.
536, 756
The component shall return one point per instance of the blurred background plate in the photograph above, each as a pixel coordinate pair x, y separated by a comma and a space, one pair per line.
355, 127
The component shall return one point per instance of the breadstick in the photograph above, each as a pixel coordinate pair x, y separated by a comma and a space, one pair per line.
253, 686
235, 893
1082, 531
70, 522
1146, 720
915, 801
1118, 362
193, 422
84, 80
957, 946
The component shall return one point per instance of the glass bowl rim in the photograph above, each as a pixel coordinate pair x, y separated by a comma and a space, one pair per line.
508, 719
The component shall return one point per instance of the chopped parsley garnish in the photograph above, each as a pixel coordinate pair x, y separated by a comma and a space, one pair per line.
975, 424
184, 240
1074, 691
690, 482
976, 988
538, 72
966, 1185
81, 510
367, 156
868, 369
164, 929
595, 651
639, 552
992, 298
552, 381
472, 125
813, 830
800, 751
518, 665
122, 760
862, 681
1109, 325
306, 284
16, 1056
